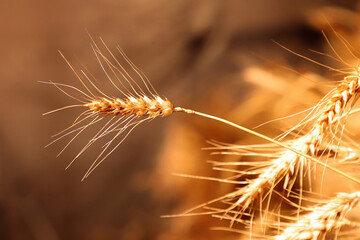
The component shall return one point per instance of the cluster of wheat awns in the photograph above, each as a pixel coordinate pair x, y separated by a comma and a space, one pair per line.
289, 158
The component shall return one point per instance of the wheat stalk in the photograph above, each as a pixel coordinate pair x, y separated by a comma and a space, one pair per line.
144, 103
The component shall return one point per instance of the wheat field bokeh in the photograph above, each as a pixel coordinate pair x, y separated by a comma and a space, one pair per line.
215, 56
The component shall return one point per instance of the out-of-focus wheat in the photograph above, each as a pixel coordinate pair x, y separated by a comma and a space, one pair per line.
321, 219
289, 164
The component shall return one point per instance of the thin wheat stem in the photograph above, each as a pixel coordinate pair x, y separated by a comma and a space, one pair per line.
189, 111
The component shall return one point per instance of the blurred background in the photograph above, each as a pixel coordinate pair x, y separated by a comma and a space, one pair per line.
212, 56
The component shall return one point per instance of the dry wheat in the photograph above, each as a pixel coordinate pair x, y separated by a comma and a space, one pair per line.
139, 104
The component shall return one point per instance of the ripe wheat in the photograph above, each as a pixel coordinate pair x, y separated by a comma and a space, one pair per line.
288, 160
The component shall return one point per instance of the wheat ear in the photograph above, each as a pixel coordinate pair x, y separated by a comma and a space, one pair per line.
142, 103
322, 219
144, 106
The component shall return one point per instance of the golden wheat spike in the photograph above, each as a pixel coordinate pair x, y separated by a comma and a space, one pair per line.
140, 106
134, 103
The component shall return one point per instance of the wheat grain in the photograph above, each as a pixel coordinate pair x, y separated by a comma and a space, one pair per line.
140, 106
